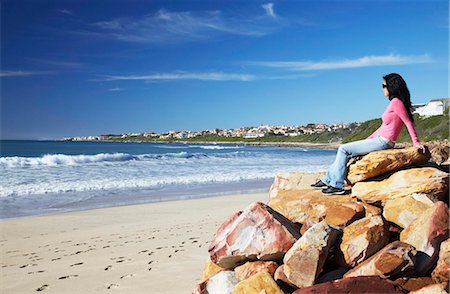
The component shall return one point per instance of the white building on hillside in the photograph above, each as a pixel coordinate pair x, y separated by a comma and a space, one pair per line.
433, 107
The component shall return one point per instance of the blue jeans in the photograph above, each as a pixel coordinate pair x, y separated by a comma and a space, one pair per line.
337, 172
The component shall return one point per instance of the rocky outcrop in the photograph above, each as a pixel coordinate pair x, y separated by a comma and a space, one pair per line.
441, 274
432, 289
404, 210
413, 284
426, 180
426, 234
354, 285
302, 205
257, 233
343, 214
291, 181
256, 284
379, 162
363, 238
394, 260
249, 269
305, 260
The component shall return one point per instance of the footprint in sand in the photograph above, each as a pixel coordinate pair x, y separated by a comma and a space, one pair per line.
67, 277
108, 267
127, 276
75, 264
28, 264
112, 286
42, 288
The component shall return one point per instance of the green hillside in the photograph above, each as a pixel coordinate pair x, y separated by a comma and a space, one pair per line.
428, 129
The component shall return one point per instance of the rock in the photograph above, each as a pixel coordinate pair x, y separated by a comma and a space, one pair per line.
332, 275
305, 260
291, 181
396, 259
432, 289
260, 283
210, 269
223, 282
371, 210
302, 205
343, 214
412, 284
355, 285
426, 234
249, 269
257, 233
363, 238
441, 273
404, 210
439, 151
280, 277
379, 162
426, 180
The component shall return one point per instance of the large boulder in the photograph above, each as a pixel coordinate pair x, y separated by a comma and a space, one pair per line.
344, 214
251, 268
396, 259
256, 284
404, 210
412, 284
426, 234
354, 285
291, 181
305, 205
432, 289
441, 274
305, 260
425, 180
379, 162
257, 233
363, 238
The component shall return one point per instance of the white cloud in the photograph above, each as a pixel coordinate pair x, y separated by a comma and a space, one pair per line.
366, 61
169, 26
116, 89
209, 76
60, 63
20, 73
269, 9
65, 11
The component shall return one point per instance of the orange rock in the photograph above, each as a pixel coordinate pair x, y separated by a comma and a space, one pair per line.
343, 214
425, 180
441, 273
210, 269
426, 234
379, 162
404, 210
363, 238
249, 269
257, 233
394, 260
260, 283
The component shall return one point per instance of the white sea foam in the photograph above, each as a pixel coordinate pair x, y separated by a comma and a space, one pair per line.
215, 147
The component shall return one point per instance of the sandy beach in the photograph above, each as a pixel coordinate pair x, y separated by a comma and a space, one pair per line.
148, 248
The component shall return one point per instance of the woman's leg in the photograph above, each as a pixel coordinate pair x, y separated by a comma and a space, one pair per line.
335, 176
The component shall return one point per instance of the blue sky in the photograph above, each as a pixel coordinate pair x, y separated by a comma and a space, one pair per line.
73, 68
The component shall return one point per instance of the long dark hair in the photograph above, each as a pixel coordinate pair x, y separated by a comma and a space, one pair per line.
397, 88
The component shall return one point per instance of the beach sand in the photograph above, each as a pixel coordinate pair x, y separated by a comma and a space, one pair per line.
147, 248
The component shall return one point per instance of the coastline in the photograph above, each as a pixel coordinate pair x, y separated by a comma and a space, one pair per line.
129, 249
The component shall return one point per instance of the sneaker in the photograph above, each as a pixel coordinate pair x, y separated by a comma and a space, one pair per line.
319, 185
333, 191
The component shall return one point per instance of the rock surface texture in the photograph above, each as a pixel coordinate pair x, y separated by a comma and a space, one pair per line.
379, 162
305, 260
257, 233
394, 260
425, 180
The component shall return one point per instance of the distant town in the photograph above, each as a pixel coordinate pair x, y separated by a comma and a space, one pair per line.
432, 108
244, 132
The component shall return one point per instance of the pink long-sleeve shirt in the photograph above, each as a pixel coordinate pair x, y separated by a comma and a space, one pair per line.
393, 119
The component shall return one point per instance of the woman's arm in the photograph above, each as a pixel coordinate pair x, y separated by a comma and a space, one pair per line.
400, 109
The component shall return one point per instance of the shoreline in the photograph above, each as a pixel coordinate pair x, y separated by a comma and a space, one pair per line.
129, 249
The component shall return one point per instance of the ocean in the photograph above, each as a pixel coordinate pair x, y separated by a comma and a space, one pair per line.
44, 177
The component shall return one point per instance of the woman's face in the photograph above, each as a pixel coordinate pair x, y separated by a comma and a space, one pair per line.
385, 90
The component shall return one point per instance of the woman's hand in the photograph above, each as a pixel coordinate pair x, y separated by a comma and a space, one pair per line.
420, 147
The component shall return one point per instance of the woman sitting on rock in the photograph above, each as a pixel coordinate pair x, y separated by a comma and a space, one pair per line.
396, 114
